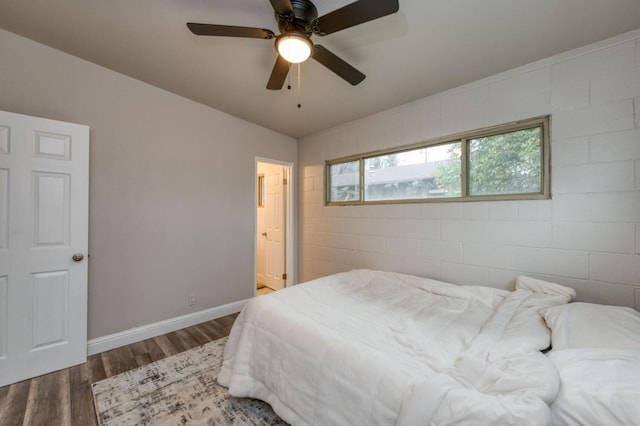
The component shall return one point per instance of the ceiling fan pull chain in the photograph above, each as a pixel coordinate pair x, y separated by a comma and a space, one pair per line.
299, 85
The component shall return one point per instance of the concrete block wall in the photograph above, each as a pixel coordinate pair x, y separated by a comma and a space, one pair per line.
587, 236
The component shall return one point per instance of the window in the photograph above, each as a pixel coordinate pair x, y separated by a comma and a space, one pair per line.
503, 162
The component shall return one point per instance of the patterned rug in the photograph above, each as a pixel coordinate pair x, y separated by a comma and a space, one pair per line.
178, 390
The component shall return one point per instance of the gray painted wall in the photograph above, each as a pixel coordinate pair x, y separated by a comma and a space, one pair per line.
171, 185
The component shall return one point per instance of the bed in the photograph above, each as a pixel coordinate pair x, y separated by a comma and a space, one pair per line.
379, 348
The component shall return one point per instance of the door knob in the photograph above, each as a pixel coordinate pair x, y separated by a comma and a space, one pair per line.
264, 234
77, 257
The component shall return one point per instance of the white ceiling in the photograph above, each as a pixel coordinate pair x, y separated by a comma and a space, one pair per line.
427, 47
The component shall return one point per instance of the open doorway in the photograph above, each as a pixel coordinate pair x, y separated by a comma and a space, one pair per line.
274, 266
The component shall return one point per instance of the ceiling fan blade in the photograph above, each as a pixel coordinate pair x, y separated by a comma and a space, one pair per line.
354, 14
283, 7
229, 31
278, 74
337, 65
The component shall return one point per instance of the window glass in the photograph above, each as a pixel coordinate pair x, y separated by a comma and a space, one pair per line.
430, 172
344, 181
509, 163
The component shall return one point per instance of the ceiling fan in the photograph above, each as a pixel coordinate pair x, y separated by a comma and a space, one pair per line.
297, 21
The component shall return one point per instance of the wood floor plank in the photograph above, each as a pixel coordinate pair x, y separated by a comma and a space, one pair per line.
35, 398
177, 342
118, 361
154, 351
82, 408
49, 402
138, 348
64, 397
185, 339
198, 335
215, 329
95, 369
211, 331
166, 345
188, 338
227, 322
140, 353
204, 333
15, 403
4, 392
142, 359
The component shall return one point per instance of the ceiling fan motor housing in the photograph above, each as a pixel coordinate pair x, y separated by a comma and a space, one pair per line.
304, 15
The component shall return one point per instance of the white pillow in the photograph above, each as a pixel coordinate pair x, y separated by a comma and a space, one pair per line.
588, 325
533, 284
597, 387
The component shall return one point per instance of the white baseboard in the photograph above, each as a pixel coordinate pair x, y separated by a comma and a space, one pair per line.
137, 334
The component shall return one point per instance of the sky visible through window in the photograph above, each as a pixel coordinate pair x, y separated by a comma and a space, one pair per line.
433, 153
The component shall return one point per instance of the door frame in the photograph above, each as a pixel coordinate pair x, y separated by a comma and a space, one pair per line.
290, 227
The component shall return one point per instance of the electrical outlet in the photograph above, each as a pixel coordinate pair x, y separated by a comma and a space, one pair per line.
191, 299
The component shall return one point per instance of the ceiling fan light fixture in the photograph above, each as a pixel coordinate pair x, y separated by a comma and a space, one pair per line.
294, 47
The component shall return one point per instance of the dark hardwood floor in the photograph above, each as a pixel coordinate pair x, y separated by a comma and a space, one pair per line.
64, 397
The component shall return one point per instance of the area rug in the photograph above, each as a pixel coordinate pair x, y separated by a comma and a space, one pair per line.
178, 390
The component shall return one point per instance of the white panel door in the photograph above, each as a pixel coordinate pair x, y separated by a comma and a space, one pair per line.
274, 217
44, 194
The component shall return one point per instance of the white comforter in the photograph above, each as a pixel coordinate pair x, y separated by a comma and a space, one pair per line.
378, 348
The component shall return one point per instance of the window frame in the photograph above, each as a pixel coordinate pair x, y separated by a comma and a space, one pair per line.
542, 122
